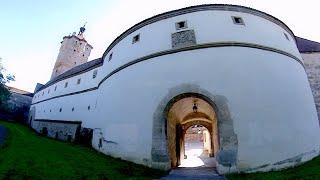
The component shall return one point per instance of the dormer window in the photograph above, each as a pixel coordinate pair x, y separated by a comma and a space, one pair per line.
237, 20
136, 38
181, 25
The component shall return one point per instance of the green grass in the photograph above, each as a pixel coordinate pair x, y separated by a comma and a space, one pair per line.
308, 170
27, 155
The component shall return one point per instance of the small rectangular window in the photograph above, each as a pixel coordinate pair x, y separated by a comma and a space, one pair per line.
48, 91
237, 20
136, 38
110, 56
94, 75
181, 25
66, 85
55, 88
79, 81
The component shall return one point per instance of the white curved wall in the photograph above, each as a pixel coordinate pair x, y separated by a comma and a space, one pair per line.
218, 26
269, 98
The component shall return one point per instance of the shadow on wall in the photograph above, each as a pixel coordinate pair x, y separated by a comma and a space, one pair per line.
17, 108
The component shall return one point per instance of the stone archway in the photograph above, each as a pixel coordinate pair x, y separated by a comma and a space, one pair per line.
180, 117
226, 155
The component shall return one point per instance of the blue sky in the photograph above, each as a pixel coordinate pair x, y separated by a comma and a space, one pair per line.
31, 31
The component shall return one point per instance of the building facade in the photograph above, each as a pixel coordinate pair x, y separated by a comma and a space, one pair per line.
232, 69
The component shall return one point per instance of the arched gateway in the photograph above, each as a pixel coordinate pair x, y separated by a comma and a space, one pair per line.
192, 106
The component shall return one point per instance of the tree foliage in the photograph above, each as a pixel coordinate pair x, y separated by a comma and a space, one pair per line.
4, 92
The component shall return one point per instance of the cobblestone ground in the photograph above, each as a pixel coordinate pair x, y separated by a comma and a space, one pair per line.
196, 166
3, 133
194, 173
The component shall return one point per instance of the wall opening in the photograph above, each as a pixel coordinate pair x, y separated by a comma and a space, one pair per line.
192, 135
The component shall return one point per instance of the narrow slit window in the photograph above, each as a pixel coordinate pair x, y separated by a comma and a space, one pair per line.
287, 37
110, 56
237, 20
66, 85
181, 25
136, 38
94, 75
79, 81
60, 109
55, 88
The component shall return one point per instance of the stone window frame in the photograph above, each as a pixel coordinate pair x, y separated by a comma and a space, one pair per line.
238, 20
179, 27
136, 38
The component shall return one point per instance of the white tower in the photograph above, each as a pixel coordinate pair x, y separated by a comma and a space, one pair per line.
74, 51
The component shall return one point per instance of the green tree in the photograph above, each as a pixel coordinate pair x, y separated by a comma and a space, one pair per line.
4, 92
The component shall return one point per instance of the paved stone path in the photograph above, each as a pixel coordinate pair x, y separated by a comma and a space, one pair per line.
3, 133
194, 173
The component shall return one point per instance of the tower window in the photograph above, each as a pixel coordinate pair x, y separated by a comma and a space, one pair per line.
237, 20
60, 109
89, 107
136, 38
66, 85
72, 109
48, 91
55, 88
50, 110
287, 37
181, 25
78, 81
94, 75
42, 93
110, 56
